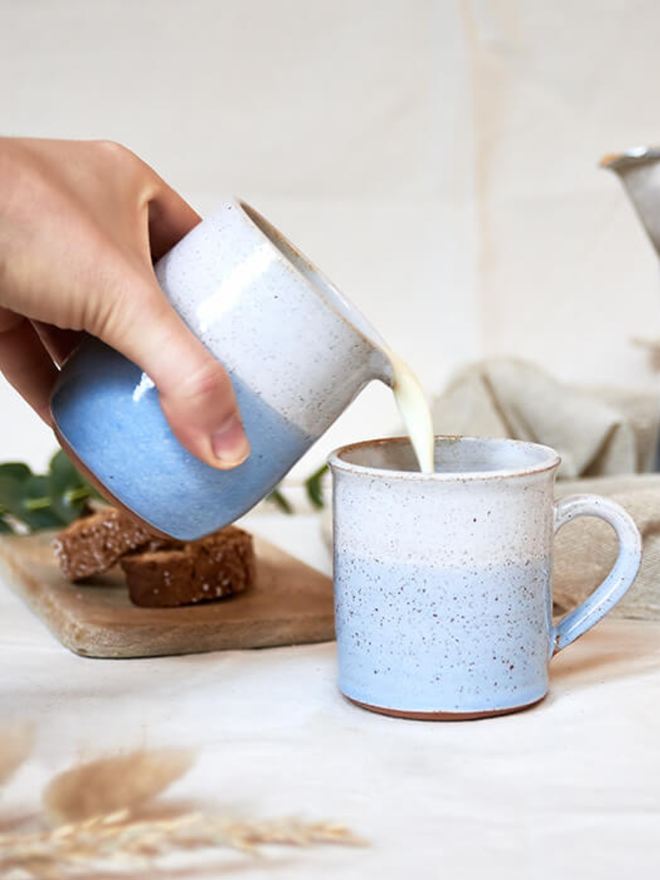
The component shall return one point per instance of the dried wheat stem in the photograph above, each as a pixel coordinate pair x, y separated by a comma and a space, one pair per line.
113, 839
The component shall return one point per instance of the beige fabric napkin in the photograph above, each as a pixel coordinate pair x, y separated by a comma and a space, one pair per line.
597, 431
586, 548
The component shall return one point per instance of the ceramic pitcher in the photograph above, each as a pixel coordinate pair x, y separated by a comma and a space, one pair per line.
639, 170
296, 351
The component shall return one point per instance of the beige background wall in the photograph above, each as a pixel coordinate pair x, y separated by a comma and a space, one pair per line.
436, 158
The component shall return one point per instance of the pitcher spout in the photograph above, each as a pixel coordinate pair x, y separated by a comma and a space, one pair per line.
639, 170
381, 366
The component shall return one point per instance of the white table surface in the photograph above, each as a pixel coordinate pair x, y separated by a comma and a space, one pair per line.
568, 789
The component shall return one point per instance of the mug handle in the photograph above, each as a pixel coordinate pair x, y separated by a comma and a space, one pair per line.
620, 578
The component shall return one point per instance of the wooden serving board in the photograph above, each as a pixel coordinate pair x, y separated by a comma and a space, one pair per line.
290, 603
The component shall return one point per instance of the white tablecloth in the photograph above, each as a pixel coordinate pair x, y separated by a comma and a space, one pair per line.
568, 789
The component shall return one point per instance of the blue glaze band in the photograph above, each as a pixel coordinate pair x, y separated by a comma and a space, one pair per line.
434, 639
110, 415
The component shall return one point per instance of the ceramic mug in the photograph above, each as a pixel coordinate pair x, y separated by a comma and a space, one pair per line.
443, 597
297, 353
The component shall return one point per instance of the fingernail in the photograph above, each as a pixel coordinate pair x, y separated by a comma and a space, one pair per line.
229, 443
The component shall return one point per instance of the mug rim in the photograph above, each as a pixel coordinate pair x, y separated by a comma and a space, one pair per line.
337, 463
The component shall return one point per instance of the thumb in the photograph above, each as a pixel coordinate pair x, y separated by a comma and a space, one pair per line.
195, 391
196, 394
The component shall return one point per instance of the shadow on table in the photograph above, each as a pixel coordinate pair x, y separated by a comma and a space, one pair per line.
609, 652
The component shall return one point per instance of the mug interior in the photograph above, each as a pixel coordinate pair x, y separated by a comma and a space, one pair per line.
323, 288
470, 457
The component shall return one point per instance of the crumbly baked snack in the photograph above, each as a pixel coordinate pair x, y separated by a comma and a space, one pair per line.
159, 572
175, 573
96, 542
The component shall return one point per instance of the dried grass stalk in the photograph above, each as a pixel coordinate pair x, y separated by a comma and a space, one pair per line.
96, 802
116, 842
107, 785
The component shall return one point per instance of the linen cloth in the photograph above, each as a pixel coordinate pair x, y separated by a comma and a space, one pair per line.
586, 549
596, 430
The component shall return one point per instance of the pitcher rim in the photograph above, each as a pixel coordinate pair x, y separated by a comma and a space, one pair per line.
632, 156
343, 308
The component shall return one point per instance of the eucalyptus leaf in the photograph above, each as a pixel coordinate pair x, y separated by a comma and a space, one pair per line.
11, 492
314, 487
68, 490
63, 474
70, 506
15, 469
35, 507
43, 501
280, 500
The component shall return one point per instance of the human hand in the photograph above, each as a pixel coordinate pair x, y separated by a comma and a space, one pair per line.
81, 223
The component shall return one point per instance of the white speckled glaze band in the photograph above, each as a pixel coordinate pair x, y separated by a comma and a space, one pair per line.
271, 317
443, 596
297, 353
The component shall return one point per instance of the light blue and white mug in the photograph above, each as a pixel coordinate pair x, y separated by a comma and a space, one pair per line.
443, 582
297, 353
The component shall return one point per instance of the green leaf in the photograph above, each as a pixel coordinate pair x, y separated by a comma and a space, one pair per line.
314, 487
43, 501
15, 469
11, 492
62, 473
71, 505
37, 510
29, 501
66, 474
278, 498
67, 489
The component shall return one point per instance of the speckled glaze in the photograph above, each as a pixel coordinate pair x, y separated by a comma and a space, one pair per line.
297, 353
443, 599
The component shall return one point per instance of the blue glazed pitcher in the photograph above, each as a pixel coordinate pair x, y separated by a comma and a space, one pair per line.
296, 351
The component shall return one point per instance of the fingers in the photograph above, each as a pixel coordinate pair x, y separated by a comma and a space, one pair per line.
196, 394
170, 218
25, 362
58, 343
92, 218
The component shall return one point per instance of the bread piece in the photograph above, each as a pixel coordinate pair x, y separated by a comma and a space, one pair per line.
178, 573
95, 543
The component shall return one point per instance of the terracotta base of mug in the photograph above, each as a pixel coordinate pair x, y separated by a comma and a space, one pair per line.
444, 716
109, 497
